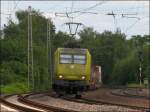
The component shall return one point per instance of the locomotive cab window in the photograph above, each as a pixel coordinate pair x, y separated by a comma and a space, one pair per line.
65, 58
79, 59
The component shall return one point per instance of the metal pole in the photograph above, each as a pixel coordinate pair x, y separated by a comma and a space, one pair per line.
28, 48
50, 52
32, 73
140, 68
47, 38
140, 60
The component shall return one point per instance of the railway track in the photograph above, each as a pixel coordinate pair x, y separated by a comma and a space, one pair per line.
5, 108
21, 103
12, 102
36, 102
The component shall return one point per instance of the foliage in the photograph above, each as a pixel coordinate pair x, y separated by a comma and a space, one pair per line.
146, 61
12, 71
126, 70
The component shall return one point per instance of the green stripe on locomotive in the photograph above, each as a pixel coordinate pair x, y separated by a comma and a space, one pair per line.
72, 71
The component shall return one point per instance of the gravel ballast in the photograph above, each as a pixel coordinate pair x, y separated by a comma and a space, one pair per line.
60, 103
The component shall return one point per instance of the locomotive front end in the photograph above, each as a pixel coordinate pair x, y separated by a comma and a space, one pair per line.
72, 70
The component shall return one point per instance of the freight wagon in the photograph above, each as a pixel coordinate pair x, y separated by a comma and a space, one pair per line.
96, 78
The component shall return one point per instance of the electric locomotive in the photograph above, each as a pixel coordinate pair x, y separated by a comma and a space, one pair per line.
72, 70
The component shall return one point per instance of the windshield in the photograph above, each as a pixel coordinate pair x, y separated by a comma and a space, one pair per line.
65, 58
79, 59
74, 59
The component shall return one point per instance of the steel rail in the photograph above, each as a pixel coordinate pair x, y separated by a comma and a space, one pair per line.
25, 100
14, 106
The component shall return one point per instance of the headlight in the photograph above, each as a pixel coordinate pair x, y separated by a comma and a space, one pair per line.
60, 76
83, 77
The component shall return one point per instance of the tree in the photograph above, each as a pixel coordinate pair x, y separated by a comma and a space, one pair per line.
126, 70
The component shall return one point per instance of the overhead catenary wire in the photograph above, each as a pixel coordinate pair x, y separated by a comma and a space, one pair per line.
89, 11
131, 17
132, 25
123, 15
89, 8
72, 8
15, 6
5, 13
138, 19
83, 11
9, 10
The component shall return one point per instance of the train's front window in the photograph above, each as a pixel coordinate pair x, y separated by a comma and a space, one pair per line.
65, 58
79, 59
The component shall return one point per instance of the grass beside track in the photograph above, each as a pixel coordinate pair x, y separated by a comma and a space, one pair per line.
14, 88
135, 85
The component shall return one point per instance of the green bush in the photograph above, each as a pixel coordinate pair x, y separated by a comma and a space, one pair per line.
12, 71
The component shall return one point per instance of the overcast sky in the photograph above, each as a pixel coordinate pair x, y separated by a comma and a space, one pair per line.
134, 24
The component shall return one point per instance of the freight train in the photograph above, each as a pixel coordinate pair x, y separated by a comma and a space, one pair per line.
72, 71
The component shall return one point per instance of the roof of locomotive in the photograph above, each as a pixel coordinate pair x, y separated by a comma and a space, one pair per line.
73, 50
